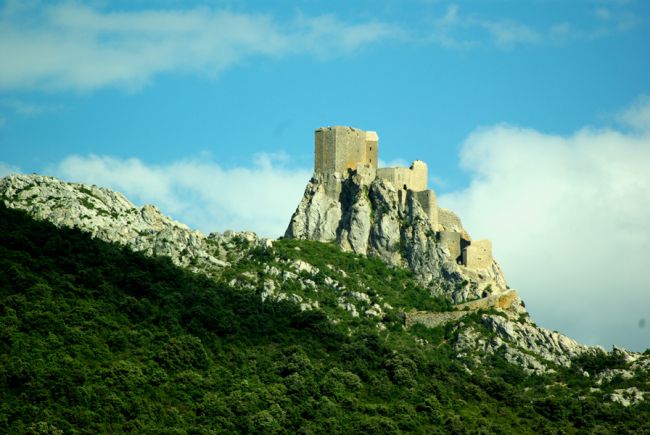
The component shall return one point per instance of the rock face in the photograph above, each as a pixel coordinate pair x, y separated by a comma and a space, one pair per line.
367, 215
109, 216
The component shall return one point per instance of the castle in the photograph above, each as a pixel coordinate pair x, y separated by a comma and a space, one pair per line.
342, 150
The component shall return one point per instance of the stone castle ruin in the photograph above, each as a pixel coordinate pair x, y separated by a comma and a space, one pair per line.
341, 151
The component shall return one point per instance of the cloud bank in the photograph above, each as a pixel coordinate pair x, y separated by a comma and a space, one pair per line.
198, 192
75, 47
569, 218
637, 116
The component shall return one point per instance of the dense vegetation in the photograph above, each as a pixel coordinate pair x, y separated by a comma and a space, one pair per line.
95, 338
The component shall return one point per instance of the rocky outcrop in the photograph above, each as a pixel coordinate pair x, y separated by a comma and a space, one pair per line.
520, 341
369, 216
109, 216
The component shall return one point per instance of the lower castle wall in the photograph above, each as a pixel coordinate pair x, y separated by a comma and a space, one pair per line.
427, 200
398, 177
478, 255
450, 240
413, 178
430, 319
449, 220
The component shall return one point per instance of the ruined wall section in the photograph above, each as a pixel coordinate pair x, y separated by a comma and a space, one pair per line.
429, 204
372, 149
419, 172
478, 255
449, 221
450, 240
400, 178
412, 178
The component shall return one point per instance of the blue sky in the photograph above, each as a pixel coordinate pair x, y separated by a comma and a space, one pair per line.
533, 116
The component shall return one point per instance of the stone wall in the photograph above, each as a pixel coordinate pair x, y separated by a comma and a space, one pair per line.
431, 319
372, 149
400, 178
338, 149
427, 200
503, 300
412, 178
449, 221
451, 241
478, 255
419, 172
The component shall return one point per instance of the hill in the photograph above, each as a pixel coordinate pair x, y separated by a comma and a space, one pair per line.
98, 338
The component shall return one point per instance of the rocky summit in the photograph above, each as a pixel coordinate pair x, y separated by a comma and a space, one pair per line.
366, 216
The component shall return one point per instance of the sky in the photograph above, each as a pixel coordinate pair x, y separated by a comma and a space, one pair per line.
533, 116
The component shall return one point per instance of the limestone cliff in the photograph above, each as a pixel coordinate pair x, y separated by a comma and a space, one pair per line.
370, 216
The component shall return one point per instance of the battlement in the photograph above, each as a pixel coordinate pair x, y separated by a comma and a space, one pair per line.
339, 149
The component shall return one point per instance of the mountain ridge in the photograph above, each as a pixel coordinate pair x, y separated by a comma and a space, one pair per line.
111, 217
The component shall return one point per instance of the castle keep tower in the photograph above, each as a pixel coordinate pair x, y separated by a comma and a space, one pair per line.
341, 148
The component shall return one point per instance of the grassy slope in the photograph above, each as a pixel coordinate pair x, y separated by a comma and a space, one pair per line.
95, 338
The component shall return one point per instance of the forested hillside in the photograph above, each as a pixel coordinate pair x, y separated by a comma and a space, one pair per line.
96, 338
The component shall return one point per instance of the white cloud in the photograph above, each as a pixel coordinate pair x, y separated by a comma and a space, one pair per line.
637, 115
26, 108
7, 169
71, 46
199, 192
449, 30
508, 33
457, 31
603, 13
568, 216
